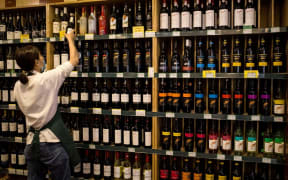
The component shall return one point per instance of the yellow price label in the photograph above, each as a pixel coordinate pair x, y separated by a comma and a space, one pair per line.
251, 74
138, 31
209, 74
24, 37
62, 35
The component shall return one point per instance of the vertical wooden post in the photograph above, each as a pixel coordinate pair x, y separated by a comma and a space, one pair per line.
49, 46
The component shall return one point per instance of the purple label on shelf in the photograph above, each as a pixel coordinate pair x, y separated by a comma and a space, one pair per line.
252, 96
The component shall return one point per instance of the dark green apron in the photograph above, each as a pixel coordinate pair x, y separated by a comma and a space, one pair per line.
57, 126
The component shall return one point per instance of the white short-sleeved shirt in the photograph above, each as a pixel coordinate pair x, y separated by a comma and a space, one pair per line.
38, 99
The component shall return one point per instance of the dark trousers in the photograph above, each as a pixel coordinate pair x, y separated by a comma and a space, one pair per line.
53, 157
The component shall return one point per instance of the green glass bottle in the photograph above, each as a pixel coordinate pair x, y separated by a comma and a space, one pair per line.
238, 139
251, 141
268, 142
279, 142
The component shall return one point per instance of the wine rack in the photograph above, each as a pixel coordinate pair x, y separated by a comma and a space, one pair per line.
271, 20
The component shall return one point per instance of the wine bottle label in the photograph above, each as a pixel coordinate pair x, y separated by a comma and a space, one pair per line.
97, 169
85, 133
268, 145
117, 171
279, 145
76, 135
113, 23
4, 157
166, 133
223, 17
95, 134
175, 174
105, 97
107, 170
250, 17
147, 98
164, 173
20, 128
2, 28
136, 173
77, 168
64, 57
5, 95
148, 138
251, 144
197, 19
56, 27
10, 64
201, 136
92, 26
209, 176
59, 99
135, 138
147, 174
1, 65
126, 137
210, 18
186, 175
115, 97
279, 106
222, 177
17, 34
86, 168
164, 22
65, 99
56, 61
64, 25
124, 98
96, 97
236, 178
277, 59
189, 135
239, 145
197, 176
13, 158
12, 126
125, 21
4, 126
74, 96
252, 96
213, 142
185, 19
84, 96
137, 98
199, 96
10, 35
12, 96
106, 135
226, 143
118, 136
238, 17
127, 172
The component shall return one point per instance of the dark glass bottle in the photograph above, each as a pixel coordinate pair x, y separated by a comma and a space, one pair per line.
12, 124
139, 16
138, 58
236, 172
164, 17
117, 62
265, 99
176, 96
125, 96
279, 98
189, 134
263, 61
95, 133
238, 139
85, 130
250, 14
238, 97
188, 57
177, 134
164, 168
148, 134
212, 97
18, 29
148, 55
278, 58
237, 56
3, 27
96, 94
117, 131
107, 166
162, 96
163, 59
105, 58
201, 135
107, 131
75, 94
212, 60
199, 97
115, 95
85, 55
186, 172
251, 97
210, 14
186, 16
226, 144
76, 130
197, 16
137, 95
136, 133
175, 61
175, 169
149, 16
166, 133
200, 57
225, 55
105, 95
126, 132
84, 95
127, 19
97, 165
113, 21
175, 16
86, 165
210, 173
213, 139
250, 56
126, 57
224, 15
187, 96
226, 100
238, 14
147, 96
198, 171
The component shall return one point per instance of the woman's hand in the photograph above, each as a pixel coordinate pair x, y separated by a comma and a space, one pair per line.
70, 36
74, 55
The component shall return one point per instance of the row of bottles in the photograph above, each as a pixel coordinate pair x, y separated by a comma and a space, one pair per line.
222, 137
198, 169
12, 156
30, 23
114, 165
120, 20
176, 96
231, 60
121, 57
186, 15
110, 130
125, 94
12, 124
7, 91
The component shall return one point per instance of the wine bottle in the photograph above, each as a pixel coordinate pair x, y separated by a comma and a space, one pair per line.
12, 124
175, 61
107, 131
251, 140
107, 167
226, 101
268, 141
263, 62
162, 100
86, 58
212, 61
185, 16
212, 97
126, 132
10, 28
43, 25
238, 14
165, 133
164, 168
97, 165
138, 58
186, 171
56, 23
175, 169
147, 168
225, 56
279, 141
187, 96
65, 54
18, 29
199, 97
137, 95
278, 98
126, 57
138, 15
85, 130
238, 139
148, 55
210, 173
127, 19
3, 27
105, 58
75, 94
21, 130
188, 57
224, 15
117, 167
197, 16
163, 59
198, 171
265, 99
209, 15
237, 171
65, 20
136, 168
250, 14
71, 23
76, 130
27, 29
56, 56
5, 93
116, 95
237, 57
95, 133
213, 139
222, 172
189, 135
226, 144
238, 98
113, 20
13, 156
102, 22
136, 133
84, 95
105, 95
127, 174
251, 97
164, 17
201, 135
200, 57
96, 94
86, 165
177, 134
2, 61
147, 96
117, 131
125, 96
277, 62
148, 23
21, 158
65, 98
148, 134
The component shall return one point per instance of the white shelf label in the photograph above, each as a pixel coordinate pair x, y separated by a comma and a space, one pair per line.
162, 75
119, 75
36, 40
140, 112
97, 111
74, 109
151, 72
237, 158
1, 41
231, 117
169, 153
186, 75
92, 146
18, 139
192, 154
12, 106
211, 32
140, 75
10, 41
173, 75
247, 31
275, 29
170, 115
13, 75
131, 150
176, 33
74, 74
207, 116
89, 36
84, 74
221, 156
116, 112
255, 118
278, 118
266, 160
25, 172
11, 171
112, 36
7, 74
19, 172
52, 39
149, 34
98, 75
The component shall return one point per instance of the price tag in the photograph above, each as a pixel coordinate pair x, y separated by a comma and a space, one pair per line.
251, 74
10, 41
19, 172
140, 75
278, 118
170, 115
138, 31
231, 117
25, 172
13, 75
11, 171
221, 156
275, 29
84, 74
186, 75
266, 160
74, 109
74, 74
1, 41
207, 116
7, 74
211, 32
191, 154
131, 150
52, 39
18, 139
12, 106
173, 75
24, 40
36, 40
151, 72
112, 36
98, 75
116, 112
140, 112
255, 118
162, 75
89, 36
169, 153
61, 35
119, 75
97, 111
247, 30
176, 33
92, 146
209, 74
149, 33
237, 158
